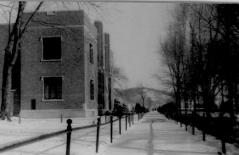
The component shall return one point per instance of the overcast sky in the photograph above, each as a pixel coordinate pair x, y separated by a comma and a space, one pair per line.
136, 30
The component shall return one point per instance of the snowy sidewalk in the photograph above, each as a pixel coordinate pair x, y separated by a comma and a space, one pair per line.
152, 135
155, 135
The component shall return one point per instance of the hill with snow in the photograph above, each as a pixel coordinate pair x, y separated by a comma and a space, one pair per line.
131, 96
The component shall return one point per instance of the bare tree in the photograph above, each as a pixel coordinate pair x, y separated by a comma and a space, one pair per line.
142, 94
149, 103
119, 80
12, 50
174, 51
118, 77
206, 68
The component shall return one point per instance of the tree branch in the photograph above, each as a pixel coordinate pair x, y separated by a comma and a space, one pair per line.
30, 18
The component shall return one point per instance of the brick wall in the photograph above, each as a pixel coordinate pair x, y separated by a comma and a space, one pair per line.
107, 71
71, 68
107, 53
91, 69
100, 58
76, 33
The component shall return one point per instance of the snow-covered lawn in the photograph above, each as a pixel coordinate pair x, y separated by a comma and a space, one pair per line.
153, 135
82, 141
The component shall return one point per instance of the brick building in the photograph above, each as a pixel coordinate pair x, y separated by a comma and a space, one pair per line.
108, 80
104, 69
57, 72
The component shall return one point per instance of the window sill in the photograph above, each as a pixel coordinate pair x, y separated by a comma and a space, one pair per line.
52, 100
51, 60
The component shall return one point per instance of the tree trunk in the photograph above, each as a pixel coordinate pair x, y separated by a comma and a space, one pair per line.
207, 102
10, 57
231, 96
6, 86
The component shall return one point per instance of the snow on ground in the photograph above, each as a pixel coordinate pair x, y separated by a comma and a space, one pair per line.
156, 135
82, 141
153, 135
14, 131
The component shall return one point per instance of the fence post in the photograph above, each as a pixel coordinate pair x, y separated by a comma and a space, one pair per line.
193, 129
186, 123
120, 125
203, 128
129, 116
192, 123
126, 122
132, 122
224, 134
132, 118
223, 146
68, 138
97, 134
203, 135
111, 128
180, 120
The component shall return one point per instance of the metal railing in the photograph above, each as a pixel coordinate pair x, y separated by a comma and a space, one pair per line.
220, 127
129, 119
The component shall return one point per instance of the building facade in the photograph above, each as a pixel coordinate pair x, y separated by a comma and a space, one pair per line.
108, 75
104, 70
57, 72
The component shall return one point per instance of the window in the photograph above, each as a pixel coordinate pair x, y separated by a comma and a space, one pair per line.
51, 48
91, 90
52, 88
91, 53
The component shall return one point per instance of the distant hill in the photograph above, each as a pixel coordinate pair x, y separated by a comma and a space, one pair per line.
130, 96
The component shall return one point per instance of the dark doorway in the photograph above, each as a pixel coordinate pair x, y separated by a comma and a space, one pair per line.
33, 104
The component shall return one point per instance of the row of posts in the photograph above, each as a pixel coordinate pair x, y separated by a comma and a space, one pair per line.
129, 120
223, 143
